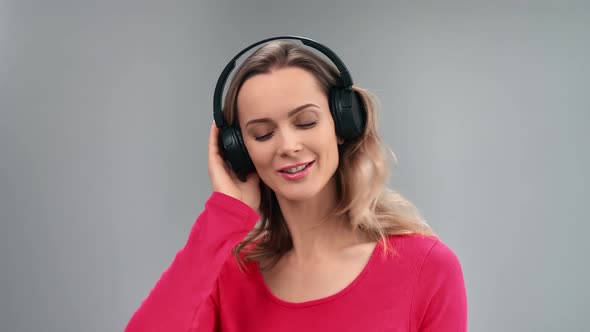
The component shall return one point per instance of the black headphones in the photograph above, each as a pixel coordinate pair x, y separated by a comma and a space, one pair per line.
346, 107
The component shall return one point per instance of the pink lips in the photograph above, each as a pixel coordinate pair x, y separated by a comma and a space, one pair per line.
299, 175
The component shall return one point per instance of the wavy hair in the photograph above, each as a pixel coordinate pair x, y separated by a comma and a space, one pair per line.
374, 210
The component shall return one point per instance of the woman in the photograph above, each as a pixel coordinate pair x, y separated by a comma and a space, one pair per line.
334, 249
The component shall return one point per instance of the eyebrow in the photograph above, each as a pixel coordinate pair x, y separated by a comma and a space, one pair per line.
290, 114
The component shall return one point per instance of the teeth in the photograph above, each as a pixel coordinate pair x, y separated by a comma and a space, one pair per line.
295, 169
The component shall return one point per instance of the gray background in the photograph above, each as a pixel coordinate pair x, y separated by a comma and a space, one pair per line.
105, 109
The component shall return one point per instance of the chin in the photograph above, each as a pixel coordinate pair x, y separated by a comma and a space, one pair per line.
297, 196
301, 192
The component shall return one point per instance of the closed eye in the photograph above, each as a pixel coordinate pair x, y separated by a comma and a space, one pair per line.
306, 125
269, 135
263, 137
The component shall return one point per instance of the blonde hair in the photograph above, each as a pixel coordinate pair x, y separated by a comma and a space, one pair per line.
362, 173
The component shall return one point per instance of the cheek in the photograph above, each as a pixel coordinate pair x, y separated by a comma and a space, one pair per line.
334, 157
333, 152
260, 154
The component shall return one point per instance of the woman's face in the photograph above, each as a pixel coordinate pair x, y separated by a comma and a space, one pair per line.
289, 132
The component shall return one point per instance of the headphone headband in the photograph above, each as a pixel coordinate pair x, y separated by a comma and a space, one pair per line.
217, 96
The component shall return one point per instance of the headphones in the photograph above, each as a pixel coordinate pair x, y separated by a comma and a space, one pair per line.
346, 107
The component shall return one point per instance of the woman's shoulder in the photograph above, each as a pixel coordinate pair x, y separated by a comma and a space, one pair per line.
423, 249
237, 265
412, 243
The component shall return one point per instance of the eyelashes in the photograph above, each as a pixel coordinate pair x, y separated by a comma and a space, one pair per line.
263, 137
269, 135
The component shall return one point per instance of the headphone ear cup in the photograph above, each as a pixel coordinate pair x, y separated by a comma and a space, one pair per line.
348, 112
234, 151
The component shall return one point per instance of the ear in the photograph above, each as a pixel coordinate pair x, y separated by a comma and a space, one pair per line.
339, 140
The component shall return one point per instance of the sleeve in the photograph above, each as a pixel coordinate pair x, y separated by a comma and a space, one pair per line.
440, 299
182, 299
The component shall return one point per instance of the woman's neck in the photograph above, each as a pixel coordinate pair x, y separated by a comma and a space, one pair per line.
314, 232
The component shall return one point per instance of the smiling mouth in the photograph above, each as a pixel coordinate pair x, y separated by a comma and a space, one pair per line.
297, 169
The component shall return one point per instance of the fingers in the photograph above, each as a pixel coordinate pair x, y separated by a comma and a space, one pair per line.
215, 161
214, 153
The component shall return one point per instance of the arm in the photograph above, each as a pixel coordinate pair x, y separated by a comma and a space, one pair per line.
440, 300
183, 292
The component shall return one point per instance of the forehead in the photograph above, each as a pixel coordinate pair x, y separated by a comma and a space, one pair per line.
276, 93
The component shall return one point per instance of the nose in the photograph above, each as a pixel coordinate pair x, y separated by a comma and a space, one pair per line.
289, 143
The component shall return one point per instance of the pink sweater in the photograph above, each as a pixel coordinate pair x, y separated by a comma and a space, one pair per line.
421, 288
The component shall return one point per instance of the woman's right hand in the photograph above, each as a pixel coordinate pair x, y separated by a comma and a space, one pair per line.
225, 181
